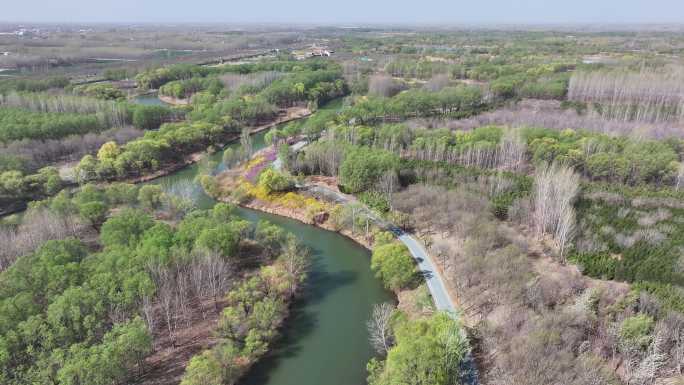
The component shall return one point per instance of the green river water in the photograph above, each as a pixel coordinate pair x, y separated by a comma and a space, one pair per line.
325, 341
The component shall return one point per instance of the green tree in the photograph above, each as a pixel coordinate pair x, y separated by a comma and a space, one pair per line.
150, 196
274, 181
216, 366
427, 352
125, 229
222, 239
149, 117
362, 167
394, 265
108, 151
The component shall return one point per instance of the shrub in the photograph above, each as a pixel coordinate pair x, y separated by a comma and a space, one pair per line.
150, 196
636, 330
394, 265
274, 181
363, 167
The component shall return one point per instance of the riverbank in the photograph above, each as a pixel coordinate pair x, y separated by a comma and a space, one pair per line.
287, 115
300, 216
173, 101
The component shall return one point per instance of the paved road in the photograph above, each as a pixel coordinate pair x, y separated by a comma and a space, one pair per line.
433, 278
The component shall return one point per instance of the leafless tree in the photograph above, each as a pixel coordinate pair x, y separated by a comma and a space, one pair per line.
37, 227
165, 294
258, 80
652, 96
217, 275
148, 312
295, 262
550, 114
246, 142
679, 181
379, 328
437, 83
388, 183
382, 85
555, 189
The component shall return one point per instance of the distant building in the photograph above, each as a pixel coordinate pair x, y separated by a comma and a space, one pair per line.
314, 51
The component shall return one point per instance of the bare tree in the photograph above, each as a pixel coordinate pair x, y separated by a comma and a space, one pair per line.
437, 83
379, 328
555, 189
37, 227
388, 184
652, 96
679, 180
148, 312
382, 85
217, 276
246, 142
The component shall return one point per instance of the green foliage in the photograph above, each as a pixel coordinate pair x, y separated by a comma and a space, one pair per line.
394, 265
636, 330
121, 350
91, 204
458, 101
155, 78
150, 196
375, 200
56, 303
256, 309
382, 238
104, 91
121, 193
14, 185
636, 235
362, 168
117, 73
150, 117
621, 159
125, 229
596, 265
427, 351
187, 87
213, 366
17, 124
33, 85
668, 295
275, 181
270, 236
222, 238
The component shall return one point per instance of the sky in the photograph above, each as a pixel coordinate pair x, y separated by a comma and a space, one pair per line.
450, 12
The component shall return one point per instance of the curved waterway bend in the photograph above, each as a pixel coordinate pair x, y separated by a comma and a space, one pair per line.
151, 99
325, 340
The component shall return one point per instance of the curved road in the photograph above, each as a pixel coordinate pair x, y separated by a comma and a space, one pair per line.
431, 274
433, 278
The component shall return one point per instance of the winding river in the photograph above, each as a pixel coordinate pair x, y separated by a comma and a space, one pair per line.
325, 340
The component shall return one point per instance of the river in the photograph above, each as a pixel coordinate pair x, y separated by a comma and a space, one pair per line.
324, 340
151, 99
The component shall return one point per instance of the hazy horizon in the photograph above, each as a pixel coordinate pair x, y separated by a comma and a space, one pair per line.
309, 12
